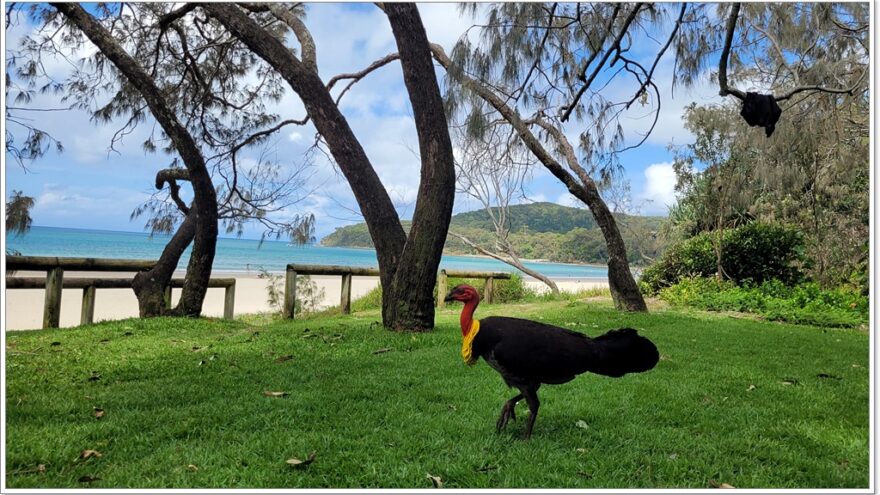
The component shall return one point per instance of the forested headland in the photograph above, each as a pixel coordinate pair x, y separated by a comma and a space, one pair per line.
546, 231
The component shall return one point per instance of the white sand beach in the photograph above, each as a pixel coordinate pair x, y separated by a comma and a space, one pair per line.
24, 307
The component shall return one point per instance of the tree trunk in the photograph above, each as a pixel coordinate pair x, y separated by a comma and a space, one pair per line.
205, 208
149, 286
624, 290
406, 264
409, 304
513, 261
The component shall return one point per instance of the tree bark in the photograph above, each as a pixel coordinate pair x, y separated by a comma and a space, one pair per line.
407, 265
624, 289
205, 203
149, 286
410, 302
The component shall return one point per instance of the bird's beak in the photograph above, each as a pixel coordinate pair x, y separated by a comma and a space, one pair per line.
449, 298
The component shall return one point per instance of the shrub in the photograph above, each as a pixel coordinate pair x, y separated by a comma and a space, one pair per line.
804, 303
752, 253
511, 290
506, 291
308, 295
370, 300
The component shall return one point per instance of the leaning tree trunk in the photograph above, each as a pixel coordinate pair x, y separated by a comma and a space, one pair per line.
407, 265
149, 286
624, 289
205, 208
382, 221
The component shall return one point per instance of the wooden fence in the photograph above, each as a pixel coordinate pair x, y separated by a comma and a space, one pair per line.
55, 282
347, 272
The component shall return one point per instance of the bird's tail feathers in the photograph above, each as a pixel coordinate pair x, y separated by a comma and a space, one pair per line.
622, 351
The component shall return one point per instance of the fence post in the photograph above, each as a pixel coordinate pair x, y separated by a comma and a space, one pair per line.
442, 282
166, 295
52, 301
489, 292
229, 302
346, 294
289, 293
87, 315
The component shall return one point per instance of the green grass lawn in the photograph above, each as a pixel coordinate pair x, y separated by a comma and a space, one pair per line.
733, 400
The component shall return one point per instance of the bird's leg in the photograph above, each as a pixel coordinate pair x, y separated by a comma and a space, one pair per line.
531, 396
508, 412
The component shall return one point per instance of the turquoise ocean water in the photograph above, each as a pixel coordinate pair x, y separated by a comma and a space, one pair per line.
245, 255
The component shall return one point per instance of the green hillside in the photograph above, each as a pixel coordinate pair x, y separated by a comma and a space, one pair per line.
538, 231
535, 217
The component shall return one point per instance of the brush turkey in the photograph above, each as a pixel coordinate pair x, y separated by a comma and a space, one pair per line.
529, 354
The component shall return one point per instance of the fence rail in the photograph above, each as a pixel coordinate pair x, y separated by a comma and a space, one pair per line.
46, 263
346, 272
55, 281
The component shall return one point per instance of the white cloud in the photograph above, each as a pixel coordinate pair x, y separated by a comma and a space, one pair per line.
658, 191
566, 199
59, 204
443, 24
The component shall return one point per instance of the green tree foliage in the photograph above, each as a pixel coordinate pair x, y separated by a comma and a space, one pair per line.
536, 217
218, 90
18, 213
755, 252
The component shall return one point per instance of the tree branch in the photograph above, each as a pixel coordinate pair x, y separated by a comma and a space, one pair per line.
302, 33
725, 55
537, 61
171, 176
357, 76
821, 89
615, 47
511, 260
659, 56
175, 14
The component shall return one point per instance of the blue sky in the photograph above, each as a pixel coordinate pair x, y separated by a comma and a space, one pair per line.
87, 187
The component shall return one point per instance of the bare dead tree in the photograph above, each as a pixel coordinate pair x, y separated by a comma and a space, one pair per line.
492, 169
624, 290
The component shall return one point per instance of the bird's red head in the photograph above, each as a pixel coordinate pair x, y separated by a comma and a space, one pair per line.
463, 293
470, 297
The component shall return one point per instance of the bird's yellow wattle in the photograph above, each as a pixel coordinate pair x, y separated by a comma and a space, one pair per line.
468, 342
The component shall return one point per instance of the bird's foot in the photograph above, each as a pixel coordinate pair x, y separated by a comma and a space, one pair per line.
508, 412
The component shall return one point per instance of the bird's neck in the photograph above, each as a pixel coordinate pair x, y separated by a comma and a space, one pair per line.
467, 315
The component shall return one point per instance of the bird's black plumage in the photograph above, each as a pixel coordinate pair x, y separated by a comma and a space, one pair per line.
528, 353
